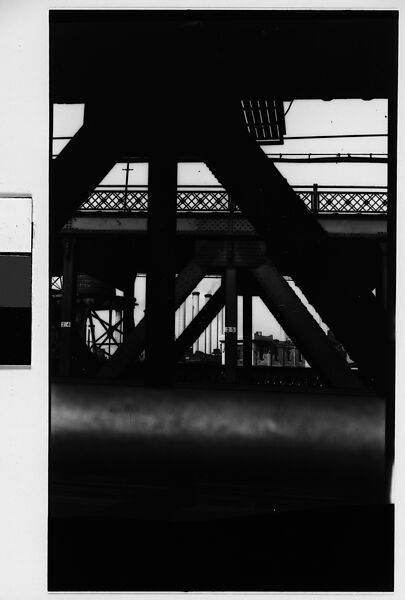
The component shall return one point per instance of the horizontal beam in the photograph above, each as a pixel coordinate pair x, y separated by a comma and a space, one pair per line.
286, 439
353, 225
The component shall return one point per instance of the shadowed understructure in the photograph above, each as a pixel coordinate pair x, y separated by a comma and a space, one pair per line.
165, 475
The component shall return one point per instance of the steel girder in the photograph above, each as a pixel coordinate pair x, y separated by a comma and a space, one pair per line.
302, 328
326, 276
200, 322
161, 271
190, 276
327, 441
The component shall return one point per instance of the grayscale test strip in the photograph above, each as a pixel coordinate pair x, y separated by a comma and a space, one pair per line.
15, 279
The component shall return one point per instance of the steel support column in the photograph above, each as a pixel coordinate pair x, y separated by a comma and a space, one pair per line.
381, 290
83, 163
231, 325
161, 274
128, 312
336, 287
67, 320
247, 330
185, 283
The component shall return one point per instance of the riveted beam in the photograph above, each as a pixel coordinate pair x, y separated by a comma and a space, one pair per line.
81, 165
295, 319
68, 305
161, 273
200, 322
129, 305
218, 225
338, 290
231, 325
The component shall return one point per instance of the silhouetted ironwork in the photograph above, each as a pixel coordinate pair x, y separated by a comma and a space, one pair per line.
319, 199
117, 199
264, 119
106, 343
200, 200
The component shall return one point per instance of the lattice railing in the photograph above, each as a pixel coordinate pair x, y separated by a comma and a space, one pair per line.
364, 202
201, 200
131, 200
318, 199
336, 199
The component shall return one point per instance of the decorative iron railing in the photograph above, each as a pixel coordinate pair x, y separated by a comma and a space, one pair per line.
318, 199
337, 199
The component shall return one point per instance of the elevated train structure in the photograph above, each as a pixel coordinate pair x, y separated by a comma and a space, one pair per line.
355, 215
123, 430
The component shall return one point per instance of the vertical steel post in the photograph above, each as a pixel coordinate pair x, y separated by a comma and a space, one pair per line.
129, 305
315, 199
207, 299
93, 333
209, 296
160, 280
381, 290
195, 309
127, 170
231, 323
197, 344
109, 333
67, 307
221, 316
217, 327
193, 313
247, 330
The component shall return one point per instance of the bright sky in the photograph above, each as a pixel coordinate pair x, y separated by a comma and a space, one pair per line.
305, 118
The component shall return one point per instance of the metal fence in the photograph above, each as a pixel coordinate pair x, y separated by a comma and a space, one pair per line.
318, 199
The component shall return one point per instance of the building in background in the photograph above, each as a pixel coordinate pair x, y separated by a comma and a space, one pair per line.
271, 352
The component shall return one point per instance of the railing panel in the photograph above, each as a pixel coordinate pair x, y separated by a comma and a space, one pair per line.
363, 202
316, 199
201, 200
